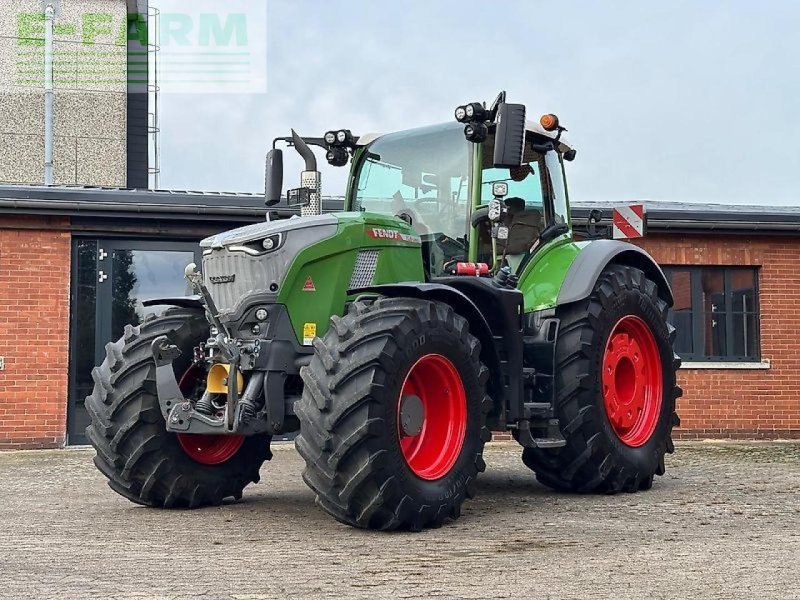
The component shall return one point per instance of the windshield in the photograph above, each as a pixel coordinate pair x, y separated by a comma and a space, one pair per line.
421, 175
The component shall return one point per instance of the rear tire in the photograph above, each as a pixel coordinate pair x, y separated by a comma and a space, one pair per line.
605, 451
358, 444
143, 461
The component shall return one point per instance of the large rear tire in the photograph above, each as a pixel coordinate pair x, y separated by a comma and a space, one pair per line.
393, 415
615, 389
142, 460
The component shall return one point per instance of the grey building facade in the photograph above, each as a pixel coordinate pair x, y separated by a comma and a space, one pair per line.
100, 81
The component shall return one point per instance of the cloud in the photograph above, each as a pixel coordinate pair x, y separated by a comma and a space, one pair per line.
681, 101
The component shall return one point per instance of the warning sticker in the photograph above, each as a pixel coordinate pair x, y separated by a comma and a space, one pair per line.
309, 333
309, 286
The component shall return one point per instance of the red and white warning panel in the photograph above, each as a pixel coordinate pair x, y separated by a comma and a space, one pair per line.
629, 222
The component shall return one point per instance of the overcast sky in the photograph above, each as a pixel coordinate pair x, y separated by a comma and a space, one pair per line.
686, 101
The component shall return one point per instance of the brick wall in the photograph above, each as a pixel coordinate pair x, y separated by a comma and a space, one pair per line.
34, 331
34, 317
745, 403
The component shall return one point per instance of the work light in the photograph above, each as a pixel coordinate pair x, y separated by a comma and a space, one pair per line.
475, 111
475, 132
330, 138
336, 157
500, 189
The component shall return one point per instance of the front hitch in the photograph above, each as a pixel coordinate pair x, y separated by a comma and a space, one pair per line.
181, 416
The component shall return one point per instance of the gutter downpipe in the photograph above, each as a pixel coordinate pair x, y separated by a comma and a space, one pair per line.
49, 17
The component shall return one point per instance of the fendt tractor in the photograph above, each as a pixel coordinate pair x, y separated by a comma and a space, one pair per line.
448, 300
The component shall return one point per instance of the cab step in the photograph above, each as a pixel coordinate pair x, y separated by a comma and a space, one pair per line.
554, 438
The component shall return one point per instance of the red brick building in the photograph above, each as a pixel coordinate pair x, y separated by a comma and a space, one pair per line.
75, 265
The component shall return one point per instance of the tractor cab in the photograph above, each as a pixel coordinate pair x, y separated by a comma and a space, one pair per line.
442, 179
442, 185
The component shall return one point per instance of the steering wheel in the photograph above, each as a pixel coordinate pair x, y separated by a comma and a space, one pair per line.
420, 202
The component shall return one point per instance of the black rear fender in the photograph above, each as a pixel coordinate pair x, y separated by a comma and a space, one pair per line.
585, 270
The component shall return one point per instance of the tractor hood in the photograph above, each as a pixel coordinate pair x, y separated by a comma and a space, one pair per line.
259, 231
253, 260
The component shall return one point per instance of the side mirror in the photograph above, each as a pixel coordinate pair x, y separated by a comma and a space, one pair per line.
273, 179
509, 140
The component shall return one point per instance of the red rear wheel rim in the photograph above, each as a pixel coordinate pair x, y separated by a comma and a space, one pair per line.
206, 449
432, 452
632, 381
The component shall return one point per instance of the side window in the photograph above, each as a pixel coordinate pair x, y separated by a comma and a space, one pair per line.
716, 313
525, 183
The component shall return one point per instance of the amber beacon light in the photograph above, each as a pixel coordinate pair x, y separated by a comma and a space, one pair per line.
549, 122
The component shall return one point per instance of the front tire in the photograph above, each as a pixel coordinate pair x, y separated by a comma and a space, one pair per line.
393, 415
143, 461
615, 389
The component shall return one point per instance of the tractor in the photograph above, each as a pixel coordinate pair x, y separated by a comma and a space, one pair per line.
449, 299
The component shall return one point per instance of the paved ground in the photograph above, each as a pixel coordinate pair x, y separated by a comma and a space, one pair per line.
723, 523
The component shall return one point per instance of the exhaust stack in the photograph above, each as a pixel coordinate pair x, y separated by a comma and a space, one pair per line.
310, 179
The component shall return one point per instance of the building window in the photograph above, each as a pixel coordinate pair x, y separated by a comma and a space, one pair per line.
715, 313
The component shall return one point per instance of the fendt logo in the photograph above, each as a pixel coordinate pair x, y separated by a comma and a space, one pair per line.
199, 47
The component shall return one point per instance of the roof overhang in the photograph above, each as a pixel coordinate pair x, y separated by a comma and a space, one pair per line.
664, 217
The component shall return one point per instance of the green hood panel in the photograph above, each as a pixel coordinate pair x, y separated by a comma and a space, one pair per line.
318, 279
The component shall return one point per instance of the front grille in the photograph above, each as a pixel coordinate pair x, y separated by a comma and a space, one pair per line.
364, 270
251, 274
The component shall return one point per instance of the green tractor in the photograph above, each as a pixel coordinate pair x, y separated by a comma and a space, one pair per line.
450, 299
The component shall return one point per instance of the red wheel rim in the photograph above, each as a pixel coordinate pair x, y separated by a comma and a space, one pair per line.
433, 451
206, 449
632, 381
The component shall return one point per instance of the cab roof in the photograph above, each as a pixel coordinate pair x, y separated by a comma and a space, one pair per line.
532, 126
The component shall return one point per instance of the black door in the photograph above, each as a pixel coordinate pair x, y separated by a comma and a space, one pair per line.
110, 280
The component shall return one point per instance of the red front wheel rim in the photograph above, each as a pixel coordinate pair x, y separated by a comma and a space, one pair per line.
632, 381
436, 385
206, 449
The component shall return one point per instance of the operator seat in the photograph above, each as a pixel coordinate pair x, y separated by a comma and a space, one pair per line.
524, 227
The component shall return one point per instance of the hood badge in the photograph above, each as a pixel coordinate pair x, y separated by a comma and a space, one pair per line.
222, 278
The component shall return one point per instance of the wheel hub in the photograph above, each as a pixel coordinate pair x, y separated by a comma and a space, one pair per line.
432, 417
412, 415
632, 381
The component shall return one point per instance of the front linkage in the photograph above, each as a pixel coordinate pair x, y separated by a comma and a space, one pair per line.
243, 415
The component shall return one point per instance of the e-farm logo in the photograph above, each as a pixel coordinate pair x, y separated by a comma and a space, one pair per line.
214, 46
